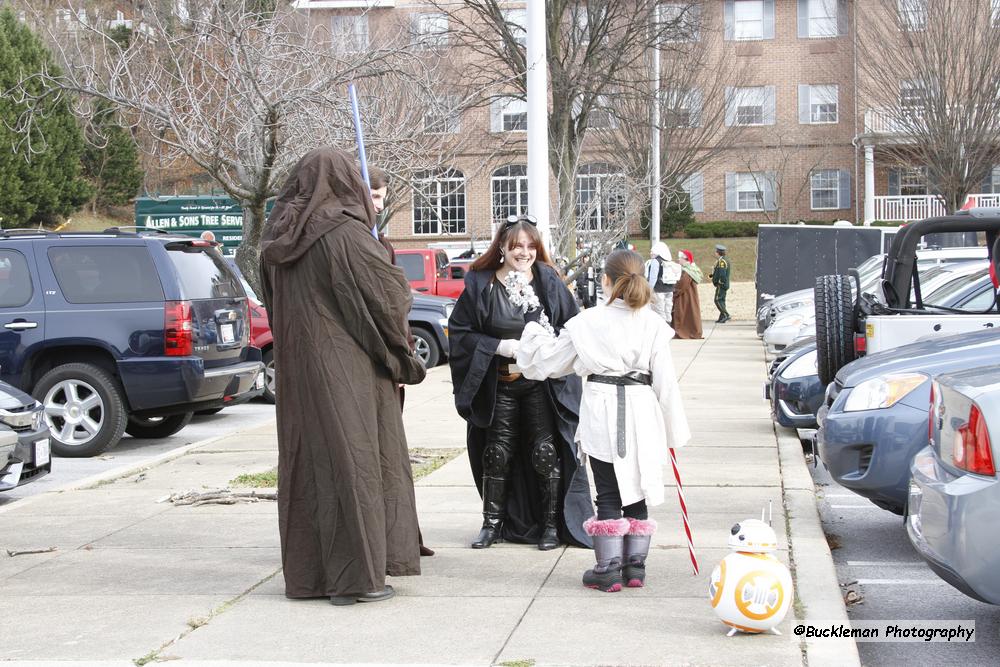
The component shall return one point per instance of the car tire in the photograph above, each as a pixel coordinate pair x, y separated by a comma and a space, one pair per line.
98, 409
269, 377
426, 347
157, 427
834, 326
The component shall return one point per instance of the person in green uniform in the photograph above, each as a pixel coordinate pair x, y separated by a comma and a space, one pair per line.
720, 278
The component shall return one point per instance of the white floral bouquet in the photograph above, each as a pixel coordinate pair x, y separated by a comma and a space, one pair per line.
522, 295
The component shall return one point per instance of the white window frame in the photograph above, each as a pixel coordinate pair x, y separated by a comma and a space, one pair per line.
349, 33
508, 114
602, 109
910, 86
747, 98
913, 179
823, 18
686, 19
442, 116
743, 27
912, 14
509, 191
433, 205
818, 100
694, 185
598, 179
746, 183
431, 29
679, 102
518, 20
819, 184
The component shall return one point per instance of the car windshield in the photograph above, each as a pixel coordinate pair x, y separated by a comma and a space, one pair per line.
952, 291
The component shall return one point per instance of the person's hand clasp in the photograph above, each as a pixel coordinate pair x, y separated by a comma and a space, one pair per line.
508, 348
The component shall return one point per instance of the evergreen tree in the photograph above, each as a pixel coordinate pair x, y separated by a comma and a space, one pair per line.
41, 183
111, 163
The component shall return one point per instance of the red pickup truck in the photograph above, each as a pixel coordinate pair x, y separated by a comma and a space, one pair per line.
430, 272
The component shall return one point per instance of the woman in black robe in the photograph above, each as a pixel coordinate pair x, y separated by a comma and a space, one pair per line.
520, 432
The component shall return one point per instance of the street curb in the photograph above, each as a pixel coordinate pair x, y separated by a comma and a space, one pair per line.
818, 588
125, 470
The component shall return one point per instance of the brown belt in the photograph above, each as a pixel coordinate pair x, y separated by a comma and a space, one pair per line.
504, 374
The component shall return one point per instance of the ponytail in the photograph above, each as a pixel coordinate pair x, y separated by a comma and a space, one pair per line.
624, 269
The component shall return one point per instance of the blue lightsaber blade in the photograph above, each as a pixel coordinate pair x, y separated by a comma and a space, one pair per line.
360, 136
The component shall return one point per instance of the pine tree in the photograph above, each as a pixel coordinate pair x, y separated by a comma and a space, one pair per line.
111, 163
41, 183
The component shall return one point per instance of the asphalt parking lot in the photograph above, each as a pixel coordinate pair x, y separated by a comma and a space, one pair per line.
134, 450
873, 555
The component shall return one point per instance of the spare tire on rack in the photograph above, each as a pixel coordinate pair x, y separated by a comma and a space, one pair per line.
834, 325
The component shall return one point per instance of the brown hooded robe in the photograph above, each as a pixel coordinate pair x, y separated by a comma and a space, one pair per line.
687, 308
338, 310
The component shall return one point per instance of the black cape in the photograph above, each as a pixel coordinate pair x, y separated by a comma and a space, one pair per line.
473, 364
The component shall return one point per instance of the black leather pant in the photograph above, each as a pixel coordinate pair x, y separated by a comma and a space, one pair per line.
522, 424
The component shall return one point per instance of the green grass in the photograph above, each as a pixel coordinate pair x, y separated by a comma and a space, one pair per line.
257, 480
742, 254
426, 461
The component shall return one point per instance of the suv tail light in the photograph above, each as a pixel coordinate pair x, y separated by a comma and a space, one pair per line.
178, 329
974, 452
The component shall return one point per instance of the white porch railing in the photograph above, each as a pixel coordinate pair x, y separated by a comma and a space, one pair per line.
918, 207
884, 121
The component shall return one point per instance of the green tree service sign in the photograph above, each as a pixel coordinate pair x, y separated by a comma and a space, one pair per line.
194, 215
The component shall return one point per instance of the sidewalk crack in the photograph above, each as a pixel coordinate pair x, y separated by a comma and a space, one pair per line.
194, 623
528, 608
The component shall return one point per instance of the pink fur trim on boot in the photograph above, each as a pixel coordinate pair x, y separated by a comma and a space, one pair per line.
609, 527
641, 527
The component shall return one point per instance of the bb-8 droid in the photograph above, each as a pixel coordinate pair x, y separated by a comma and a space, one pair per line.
750, 589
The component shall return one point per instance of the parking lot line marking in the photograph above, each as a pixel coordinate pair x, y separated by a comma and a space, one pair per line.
877, 563
900, 582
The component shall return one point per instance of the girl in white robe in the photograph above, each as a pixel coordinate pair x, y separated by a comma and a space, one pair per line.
630, 415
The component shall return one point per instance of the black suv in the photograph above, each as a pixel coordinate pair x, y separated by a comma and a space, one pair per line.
122, 332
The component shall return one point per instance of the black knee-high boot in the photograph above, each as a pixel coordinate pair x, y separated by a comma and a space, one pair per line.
494, 512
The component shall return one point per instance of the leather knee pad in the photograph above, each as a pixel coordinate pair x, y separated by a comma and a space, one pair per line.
545, 458
496, 461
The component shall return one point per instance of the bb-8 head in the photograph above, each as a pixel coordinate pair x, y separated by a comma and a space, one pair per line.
750, 589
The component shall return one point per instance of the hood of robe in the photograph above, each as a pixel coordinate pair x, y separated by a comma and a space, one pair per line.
324, 191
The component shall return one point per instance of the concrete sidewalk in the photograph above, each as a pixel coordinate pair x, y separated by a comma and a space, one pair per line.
133, 579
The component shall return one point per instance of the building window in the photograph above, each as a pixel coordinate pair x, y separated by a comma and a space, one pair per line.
680, 22
439, 203
750, 106
824, 188
508, 114
682, 108
600, 197
912, 98
749, 192
430, 29
517, 21
442, 116
748, 18
509, 186
913, 182
694, 187
349, 33
818, 104
601, 116
912, 14
821, 18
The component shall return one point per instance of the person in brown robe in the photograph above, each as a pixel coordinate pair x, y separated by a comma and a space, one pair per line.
687, 305
338, 311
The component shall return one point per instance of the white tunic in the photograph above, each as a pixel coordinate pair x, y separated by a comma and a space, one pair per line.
614, 340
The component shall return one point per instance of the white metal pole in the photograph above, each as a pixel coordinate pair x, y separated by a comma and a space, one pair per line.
538, 119
654, 151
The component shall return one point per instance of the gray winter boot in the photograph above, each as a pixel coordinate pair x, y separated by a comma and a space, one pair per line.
640, 534
609, 541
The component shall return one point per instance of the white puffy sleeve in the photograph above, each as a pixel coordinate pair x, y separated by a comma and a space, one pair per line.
668, 391
540, 355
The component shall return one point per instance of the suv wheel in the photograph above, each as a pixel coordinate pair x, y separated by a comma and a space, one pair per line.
157, 427
269, 385
426, 348
84, 409
834, 326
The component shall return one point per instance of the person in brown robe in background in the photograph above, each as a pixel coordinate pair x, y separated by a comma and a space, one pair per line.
338, 311
687, 305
